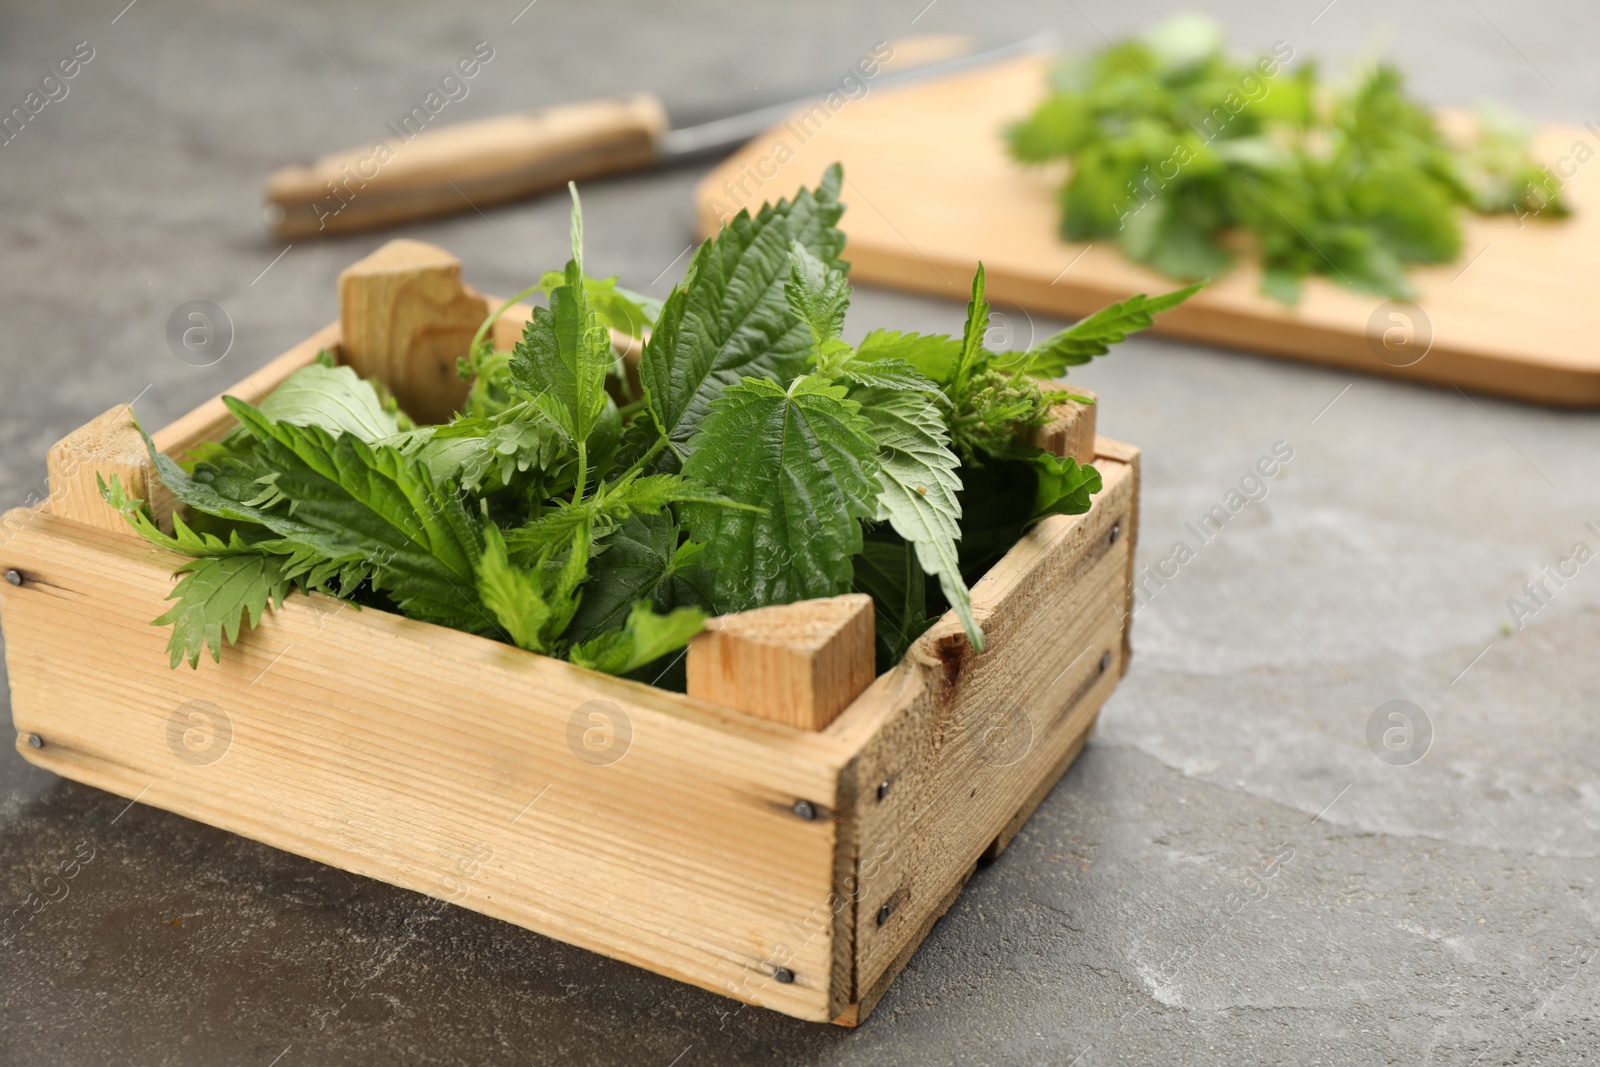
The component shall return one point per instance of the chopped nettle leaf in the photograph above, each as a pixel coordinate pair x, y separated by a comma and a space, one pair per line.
1174, 143
768, 461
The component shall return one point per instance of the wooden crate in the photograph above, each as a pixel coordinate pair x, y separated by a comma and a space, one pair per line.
790, 867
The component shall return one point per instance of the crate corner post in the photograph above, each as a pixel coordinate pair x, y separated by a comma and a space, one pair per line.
406, 317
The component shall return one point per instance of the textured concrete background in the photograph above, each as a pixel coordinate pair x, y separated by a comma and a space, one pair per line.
1440, 913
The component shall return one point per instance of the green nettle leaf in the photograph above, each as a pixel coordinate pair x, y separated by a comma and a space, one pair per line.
351, 499
805, 457
533, 605
884, 373
887, 569
1065, 486
934, 355
1172, 150
565, 351
490, 452
919, 488
216, 595
515, 595
1094, 336
620, 309
645, 637
972, 351
642, 559
730, 317
818, 294
333, 398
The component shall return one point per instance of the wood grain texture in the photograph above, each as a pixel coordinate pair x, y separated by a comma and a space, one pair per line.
406, 318
465, 166
798, 664
958, 745
931, 192
1071, 431
110, 446
414, 754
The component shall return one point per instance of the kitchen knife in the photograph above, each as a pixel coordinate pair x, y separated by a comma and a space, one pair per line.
474, 164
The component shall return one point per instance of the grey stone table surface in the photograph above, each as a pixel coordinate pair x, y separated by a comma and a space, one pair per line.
1443, 912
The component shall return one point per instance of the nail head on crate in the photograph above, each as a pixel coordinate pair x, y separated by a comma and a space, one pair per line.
884, 913
14, 576
805, 809
35, 741
1105, 660
883, 789
1116, 531
783, 975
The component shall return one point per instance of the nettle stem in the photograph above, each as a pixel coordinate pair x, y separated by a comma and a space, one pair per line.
494, 316
583, 473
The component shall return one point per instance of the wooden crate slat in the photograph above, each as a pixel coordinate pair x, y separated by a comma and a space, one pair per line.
431, 752
1052, 609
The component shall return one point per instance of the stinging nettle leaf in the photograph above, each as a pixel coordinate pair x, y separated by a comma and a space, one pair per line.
645, 636
1065, 486
565, 350
216, 595
920, 487
803, 455
333, 398
730, 317
1094, 336
516, 596
933, 355
977, 324
818, 294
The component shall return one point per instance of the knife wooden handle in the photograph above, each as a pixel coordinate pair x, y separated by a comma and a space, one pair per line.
413, 175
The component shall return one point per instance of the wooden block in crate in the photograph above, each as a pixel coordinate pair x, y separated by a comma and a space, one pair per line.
792, 868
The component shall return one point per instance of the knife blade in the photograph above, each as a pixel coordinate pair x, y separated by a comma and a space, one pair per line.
471, 165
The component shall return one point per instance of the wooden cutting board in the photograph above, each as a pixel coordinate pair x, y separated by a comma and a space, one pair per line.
930, 191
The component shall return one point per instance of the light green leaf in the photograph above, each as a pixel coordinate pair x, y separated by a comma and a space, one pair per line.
621, 309
333, 398
818, 294
565, 351
645, 637
972, 351
919, 488
485, 453
884, 373
516, 596
934, 355
1094, 336
215, 597
1065, 486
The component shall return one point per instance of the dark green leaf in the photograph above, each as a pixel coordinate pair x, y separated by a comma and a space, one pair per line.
730, 317
804, 456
